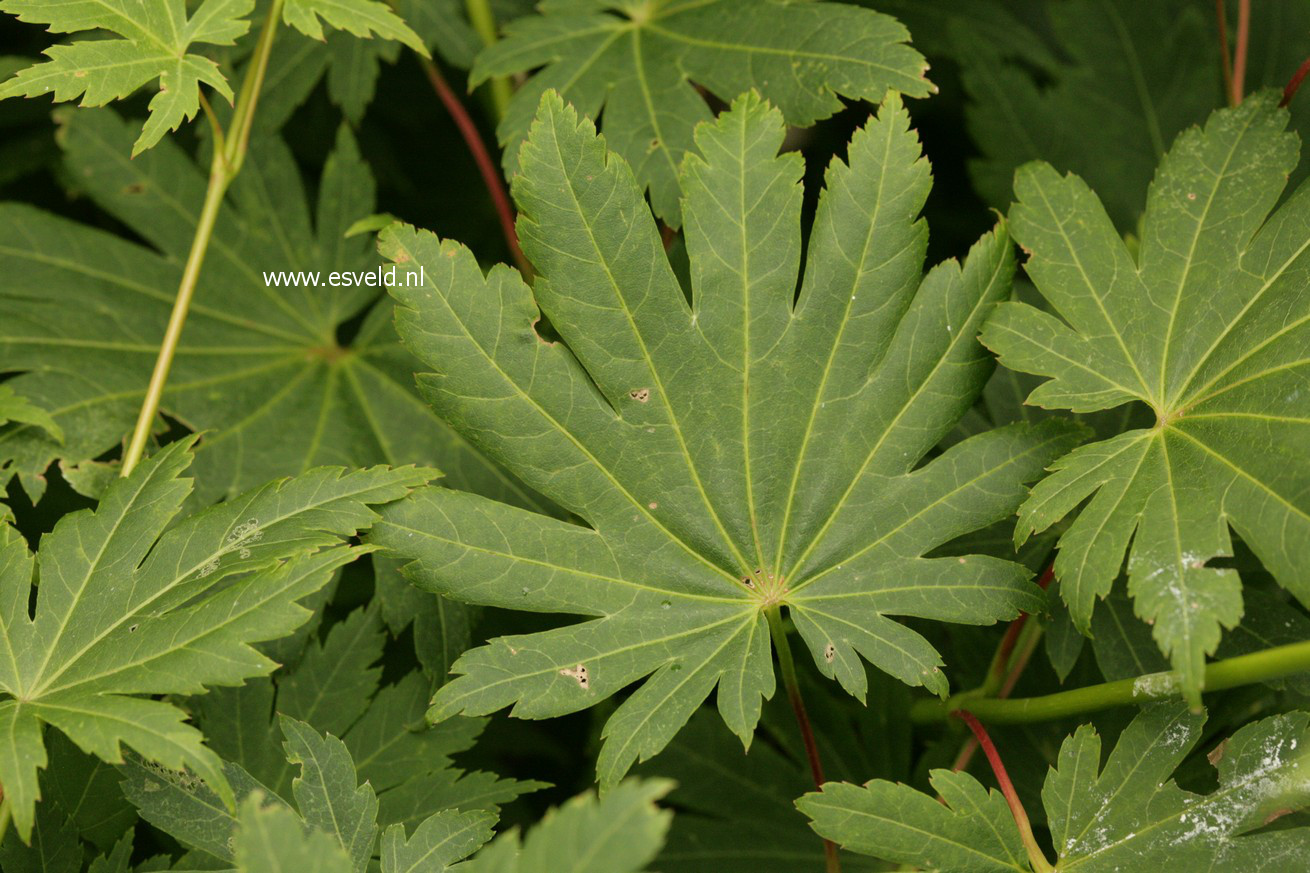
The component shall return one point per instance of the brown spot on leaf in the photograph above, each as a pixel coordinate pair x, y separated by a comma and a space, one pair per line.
578, 674
829, 652
641, 395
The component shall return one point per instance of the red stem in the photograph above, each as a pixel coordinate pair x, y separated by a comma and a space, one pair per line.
1035, 854
1007, 678
1221, 14
1239, 56
486, 166
1294, 83
816, 766
1002, 657
807, 738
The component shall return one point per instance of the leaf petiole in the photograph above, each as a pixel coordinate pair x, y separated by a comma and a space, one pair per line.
778, 632
229, 154
1036, 856
1272, 663
483, 19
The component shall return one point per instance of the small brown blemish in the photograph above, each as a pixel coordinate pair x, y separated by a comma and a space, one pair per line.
403, 257
1191, 196
135, 188
962, 560
578, 674
641, 395
653, 505
1217, 753
748, 581
80, 74
829, 652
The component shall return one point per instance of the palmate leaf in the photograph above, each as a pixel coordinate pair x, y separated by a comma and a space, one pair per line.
1210, 326
330, 802
1126, 815
156, 38
336, 689
637, 60
732, 456
129, 603
1158, 60
259, 368
1095, 87
156, 44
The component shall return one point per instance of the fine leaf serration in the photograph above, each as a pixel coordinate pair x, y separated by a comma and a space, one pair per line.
133, 602
732, 455
1126, 815
639, 62
155, 44
1209, 325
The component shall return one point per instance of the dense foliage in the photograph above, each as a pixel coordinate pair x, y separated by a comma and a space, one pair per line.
486, 436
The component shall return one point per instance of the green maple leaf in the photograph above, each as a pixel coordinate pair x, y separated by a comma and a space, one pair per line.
1126, 815
1159, 61
156, 37
1095, 87
731, 456
15, 407
636, 60
273, 839
335, 687
330, 800
156, 40
1208, 326
129, 604
259, 368
619, 833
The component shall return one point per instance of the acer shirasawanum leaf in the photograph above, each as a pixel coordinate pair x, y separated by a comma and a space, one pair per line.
1209, 325
1131, 76
259, 368
637, 62
332, 799
336, 688
617, 833
155, 43
1126, 815
132, 602
731, 456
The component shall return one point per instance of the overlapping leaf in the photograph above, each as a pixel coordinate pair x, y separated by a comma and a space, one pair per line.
640, 62
334, 825
1131, 77
260, 367
155, 43
1209, 325
130, 603
336, 688
731, 456
618, 833
1096, 87
1126, 815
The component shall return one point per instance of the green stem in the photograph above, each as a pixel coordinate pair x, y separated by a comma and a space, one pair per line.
1270, 664
229, 154
789, 681
483, 20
